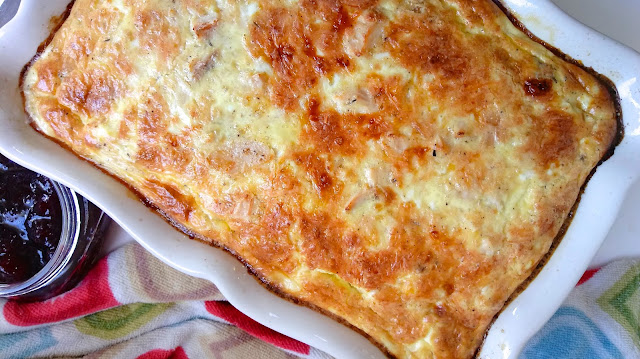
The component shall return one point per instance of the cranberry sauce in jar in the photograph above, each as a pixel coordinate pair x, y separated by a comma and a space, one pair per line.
30, 222
50, 236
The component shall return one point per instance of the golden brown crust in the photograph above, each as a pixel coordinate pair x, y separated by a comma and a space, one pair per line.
389, 258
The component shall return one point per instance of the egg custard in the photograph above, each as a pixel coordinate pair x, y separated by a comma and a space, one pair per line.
402, 166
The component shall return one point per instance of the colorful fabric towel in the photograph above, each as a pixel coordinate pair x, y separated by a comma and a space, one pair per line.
599, 320
133, 306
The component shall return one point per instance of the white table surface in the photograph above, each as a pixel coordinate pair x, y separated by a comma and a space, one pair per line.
619, 19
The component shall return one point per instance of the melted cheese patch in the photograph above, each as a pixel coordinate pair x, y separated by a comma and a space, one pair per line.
402, 165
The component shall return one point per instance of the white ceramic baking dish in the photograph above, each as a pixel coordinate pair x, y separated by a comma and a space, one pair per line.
514, 326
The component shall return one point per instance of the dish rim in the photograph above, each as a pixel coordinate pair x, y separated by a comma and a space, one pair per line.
41, 156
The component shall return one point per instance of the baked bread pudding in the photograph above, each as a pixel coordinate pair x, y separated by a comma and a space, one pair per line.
400, 165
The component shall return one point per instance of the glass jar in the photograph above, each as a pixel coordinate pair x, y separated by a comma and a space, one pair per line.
82, 229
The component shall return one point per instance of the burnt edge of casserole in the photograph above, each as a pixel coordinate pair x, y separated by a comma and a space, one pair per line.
57, 21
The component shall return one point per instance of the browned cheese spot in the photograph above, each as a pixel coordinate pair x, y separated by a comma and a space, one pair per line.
553, 138
167, 196
537, 87
289, 40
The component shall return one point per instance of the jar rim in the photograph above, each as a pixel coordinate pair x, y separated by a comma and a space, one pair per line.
70, 209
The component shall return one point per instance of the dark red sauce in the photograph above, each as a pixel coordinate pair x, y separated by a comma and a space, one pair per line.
30, 222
